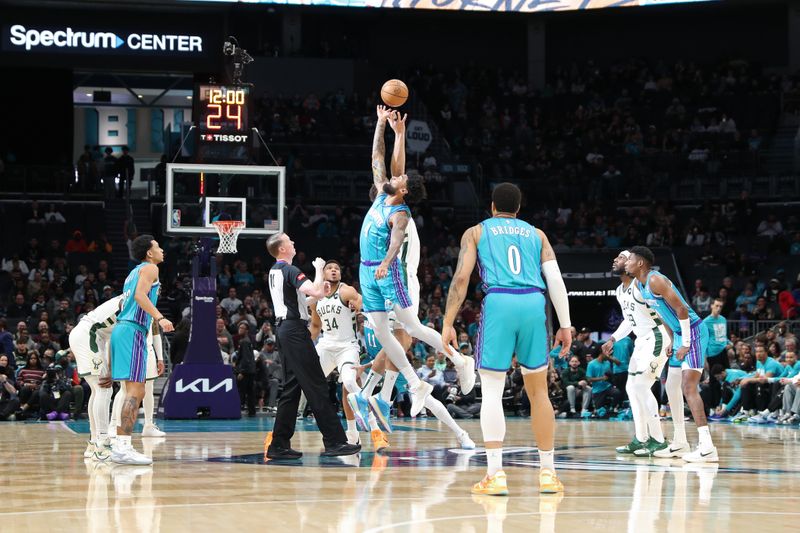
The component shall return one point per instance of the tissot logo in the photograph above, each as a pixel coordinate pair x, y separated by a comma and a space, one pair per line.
223, 138
33, 39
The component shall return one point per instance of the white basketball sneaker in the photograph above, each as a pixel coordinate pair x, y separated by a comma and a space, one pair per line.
151, 430
418, 396
124, 454
674, 450
89, 450
465, 442
466, 374
701, 455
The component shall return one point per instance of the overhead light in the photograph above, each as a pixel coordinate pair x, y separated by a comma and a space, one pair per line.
140, 96
88, 94
189, 97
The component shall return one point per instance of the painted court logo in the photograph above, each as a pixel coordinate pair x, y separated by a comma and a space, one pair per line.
66, 38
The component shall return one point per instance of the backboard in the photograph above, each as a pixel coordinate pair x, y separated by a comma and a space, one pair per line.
199, 194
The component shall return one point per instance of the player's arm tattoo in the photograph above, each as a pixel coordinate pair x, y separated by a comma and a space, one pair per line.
379, 155
547, 251
399, 225
130, 411
467, 257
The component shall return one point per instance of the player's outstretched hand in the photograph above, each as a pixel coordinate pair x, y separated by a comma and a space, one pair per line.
318, 263
166, 325
563, 338
398, 123
449, 337
383, 112
608, 347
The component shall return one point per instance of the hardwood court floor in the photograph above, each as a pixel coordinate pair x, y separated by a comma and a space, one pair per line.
209, 476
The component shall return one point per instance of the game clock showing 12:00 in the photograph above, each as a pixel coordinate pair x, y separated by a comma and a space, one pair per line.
223, 123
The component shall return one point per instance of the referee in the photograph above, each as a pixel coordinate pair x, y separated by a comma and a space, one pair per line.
302, 371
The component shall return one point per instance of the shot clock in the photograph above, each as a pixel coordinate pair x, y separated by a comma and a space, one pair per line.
223, 125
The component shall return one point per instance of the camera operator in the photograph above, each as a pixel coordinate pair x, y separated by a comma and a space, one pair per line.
55, 394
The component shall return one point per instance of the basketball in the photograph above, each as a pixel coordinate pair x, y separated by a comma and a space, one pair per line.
394, 93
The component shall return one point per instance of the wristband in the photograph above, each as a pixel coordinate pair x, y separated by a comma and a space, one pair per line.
686, 333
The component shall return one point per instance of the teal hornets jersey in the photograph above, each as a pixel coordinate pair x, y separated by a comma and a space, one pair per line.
375, 230
660, 306
510, 254
131, 311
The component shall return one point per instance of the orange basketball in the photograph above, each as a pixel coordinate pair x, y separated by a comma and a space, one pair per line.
394, 93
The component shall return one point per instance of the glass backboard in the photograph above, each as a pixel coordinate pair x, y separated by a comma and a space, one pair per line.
199, 194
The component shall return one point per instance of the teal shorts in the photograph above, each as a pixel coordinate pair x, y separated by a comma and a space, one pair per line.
392, 289
128, 352
513, 321
373, 345
696, 358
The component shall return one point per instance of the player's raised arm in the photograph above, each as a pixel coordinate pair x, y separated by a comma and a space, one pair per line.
467, 257
379, 148
399, 222
315, 289
558, 294
398, 125
149, 275
351, 297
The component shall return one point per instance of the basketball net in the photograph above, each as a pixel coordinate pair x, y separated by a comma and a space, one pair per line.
228, 231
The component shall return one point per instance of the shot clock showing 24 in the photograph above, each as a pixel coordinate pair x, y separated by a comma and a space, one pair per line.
223, 125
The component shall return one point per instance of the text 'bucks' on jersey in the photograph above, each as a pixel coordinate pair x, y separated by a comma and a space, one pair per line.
641, 318
338, 320
513, 317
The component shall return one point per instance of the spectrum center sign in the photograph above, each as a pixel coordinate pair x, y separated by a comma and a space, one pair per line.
21, 38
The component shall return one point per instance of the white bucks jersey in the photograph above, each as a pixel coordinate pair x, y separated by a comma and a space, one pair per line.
409, 253
338, 320
104, 317
642, 318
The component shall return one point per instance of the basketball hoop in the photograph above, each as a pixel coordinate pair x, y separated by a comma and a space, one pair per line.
228, 231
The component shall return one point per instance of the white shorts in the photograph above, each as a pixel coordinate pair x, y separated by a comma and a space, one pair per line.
152, 363
650, 353
336, 355
413, 291
90, 363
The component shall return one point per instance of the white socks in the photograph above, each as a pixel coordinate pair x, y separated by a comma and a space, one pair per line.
372, 381
675, 397
705, 437
389, 379
647, 406
351, 425
373, 424
547, 459
494, 460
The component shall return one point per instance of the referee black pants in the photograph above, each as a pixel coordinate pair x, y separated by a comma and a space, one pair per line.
302, 371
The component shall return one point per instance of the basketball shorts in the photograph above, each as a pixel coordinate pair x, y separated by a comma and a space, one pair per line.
696, 358
128, 352
650, 353
152, 363
375, 292
337, 355
89, 359
513, 322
